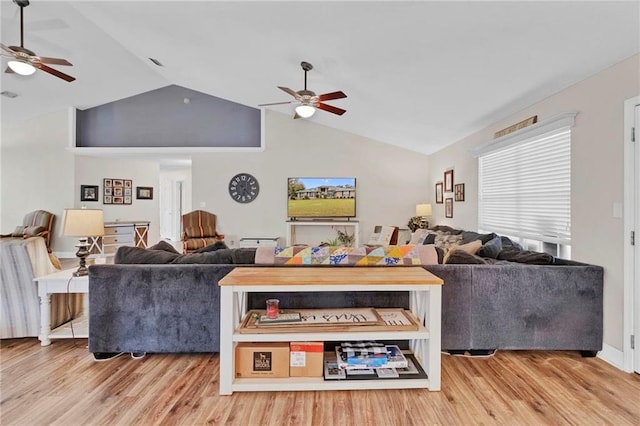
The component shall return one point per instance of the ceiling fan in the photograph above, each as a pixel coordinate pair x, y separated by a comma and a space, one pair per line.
308, 100
24, 61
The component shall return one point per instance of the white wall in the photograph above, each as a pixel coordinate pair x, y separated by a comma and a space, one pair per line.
390, 181
37, 171
92, 171
596, 173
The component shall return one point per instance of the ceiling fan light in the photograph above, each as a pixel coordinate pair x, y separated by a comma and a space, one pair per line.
21, 67
305, 111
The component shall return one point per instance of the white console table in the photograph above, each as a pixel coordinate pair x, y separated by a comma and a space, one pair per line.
293, 224
425, 302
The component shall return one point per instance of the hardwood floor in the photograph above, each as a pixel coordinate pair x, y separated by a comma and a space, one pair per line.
62, 384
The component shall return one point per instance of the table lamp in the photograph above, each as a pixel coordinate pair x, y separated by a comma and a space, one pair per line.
423, 210
82, 223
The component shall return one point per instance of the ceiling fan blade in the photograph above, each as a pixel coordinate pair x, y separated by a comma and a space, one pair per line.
5, 48
9, 70
54, 61
289, 91
332, 95
295, 116
329, 108
276, 103
57, 73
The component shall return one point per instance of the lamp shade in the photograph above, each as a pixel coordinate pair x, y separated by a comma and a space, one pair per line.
82, 223
305, 111
423, 210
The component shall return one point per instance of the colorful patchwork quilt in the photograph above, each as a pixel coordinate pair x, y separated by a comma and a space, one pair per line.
353, 256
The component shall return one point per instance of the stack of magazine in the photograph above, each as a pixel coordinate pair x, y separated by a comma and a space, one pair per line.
371, 360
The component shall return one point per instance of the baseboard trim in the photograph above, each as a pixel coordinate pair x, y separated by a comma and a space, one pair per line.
612, 356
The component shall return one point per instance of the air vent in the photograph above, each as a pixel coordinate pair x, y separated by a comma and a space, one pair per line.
9, 94
157, 62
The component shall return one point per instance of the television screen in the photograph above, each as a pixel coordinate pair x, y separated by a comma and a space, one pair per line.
321, 197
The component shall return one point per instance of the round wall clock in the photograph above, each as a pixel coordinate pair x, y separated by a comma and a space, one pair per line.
243, 188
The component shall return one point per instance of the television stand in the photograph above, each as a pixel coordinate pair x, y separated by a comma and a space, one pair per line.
292, 225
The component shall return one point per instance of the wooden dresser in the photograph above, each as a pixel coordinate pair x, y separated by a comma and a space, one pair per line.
120, 233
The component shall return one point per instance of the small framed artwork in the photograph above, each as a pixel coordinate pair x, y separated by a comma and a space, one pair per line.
144, 192
458, 192
448, 207
88, 192
448, 181
439, 199
117, 191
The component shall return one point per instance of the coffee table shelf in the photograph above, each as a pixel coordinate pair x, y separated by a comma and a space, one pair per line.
425, 300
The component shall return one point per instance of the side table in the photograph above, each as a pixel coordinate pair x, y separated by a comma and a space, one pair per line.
62, 282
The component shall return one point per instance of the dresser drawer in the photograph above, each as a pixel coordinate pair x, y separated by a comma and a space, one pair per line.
258, 242
118, 230
118, 239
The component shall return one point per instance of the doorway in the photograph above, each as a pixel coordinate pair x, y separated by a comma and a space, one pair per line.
631, 332
174, 196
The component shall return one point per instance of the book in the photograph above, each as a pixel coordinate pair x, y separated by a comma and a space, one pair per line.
387, 373
332, 371
391, 358
290, 317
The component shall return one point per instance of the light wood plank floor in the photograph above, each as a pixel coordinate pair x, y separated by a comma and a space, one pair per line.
61, 384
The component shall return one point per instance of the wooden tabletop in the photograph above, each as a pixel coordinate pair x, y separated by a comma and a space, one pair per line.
329, 275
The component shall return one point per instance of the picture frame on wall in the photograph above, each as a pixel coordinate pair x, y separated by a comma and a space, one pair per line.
144, 193
448, 208
117, 191
458, 192
439, 195
448, 181
88, 192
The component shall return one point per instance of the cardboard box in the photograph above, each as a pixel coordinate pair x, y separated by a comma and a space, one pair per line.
262, 359
306, 359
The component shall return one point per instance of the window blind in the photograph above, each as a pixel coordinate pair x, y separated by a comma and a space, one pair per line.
525, 188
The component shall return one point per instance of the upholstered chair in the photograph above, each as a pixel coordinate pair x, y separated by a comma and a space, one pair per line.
199, 230
38, 223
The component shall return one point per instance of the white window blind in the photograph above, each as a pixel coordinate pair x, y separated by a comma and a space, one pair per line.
525, 187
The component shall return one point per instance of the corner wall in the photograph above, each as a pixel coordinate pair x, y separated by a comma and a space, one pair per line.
596, 175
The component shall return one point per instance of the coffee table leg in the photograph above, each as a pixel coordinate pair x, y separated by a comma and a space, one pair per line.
45, 320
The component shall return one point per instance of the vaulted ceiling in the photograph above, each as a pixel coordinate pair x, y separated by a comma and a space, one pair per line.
418, 74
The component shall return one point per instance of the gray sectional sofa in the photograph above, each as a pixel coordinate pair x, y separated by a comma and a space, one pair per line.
175, 307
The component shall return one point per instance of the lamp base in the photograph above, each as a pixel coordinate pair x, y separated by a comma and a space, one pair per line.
82, 254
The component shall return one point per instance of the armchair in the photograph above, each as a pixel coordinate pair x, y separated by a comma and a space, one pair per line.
199, 230
38, 223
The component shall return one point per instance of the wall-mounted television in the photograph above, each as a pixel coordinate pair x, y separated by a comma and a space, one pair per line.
321, 197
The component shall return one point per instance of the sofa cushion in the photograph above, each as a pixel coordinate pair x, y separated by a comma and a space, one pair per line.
418, 236
135, 255
470, 248
446, 241
491, 249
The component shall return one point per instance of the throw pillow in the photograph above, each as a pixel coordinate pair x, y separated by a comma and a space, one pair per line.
164, 246
445, 241
418, 236
470, 248
526, 256
221, 257
33, 231
462, 257
468, 236
491, 249
18, 232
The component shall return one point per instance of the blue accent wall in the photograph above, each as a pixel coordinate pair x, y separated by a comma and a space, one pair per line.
161, 118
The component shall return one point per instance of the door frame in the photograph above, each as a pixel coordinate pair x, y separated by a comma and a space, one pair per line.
631, 296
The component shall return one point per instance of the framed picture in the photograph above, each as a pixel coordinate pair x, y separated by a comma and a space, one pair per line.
117, 191
144, 192
448, 207
439, 199
448, 181
88, 192
458, 192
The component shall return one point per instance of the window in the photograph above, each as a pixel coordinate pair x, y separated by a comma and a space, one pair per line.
525, 186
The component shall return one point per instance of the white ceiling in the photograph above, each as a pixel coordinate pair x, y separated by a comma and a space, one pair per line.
418, 74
